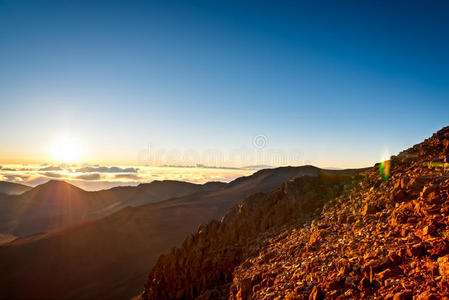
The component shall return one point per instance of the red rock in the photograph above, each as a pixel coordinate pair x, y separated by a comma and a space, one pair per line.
416, 250
431, 210
245, 289
445, 209
256, 279
404, 295
404, 232
412, 220
399, 195
427, 296
387, 273
350, 219
432, 267
389, 297
431, 194
443, 263
439, 248
323, 226
415, 185
246, 265
445, 143
316, 294
370, 208
335, 283
428, 230
395, 258
317, 235
364, 283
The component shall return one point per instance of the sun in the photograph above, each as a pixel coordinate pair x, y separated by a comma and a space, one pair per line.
66, 150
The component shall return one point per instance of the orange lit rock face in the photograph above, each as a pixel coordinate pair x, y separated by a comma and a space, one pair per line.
372, 239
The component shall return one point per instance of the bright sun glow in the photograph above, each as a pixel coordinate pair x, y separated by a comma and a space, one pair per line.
66, 150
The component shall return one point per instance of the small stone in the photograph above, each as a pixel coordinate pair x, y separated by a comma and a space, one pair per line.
425, 231
404, 295
395, 258
316, 294
388, 273
364, 283
416, 250
370, 208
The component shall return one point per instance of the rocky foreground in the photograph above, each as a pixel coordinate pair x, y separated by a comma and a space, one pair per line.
349, 235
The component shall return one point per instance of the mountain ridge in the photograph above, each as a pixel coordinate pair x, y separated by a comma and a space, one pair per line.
57, 203
118, 250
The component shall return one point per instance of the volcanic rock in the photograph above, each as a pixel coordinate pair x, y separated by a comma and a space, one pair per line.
359, 237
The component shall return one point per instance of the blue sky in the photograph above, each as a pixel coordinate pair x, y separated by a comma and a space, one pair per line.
339, 81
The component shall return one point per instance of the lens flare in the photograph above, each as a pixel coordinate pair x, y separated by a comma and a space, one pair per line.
384, 168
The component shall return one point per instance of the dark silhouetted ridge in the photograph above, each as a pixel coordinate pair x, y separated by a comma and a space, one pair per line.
11, 188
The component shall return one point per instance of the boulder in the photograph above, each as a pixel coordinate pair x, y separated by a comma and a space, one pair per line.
399, 195
443, 266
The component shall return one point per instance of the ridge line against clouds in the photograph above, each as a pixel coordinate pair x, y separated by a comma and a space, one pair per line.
96, 177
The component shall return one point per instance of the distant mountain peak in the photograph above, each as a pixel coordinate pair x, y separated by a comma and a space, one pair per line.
59, 183
54, 186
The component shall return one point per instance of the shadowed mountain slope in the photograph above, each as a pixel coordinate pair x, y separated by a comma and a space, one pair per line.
110, 257
56, 204
11, 188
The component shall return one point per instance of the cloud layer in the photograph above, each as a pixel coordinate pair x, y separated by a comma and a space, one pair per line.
95, 177
106, 170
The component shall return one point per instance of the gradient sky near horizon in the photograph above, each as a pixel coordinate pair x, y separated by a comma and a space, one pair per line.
339, 83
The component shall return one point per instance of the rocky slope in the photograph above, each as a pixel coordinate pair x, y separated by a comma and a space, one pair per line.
208, 258
374, 236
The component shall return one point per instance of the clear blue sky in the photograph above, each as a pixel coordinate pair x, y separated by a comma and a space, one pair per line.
340, 80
